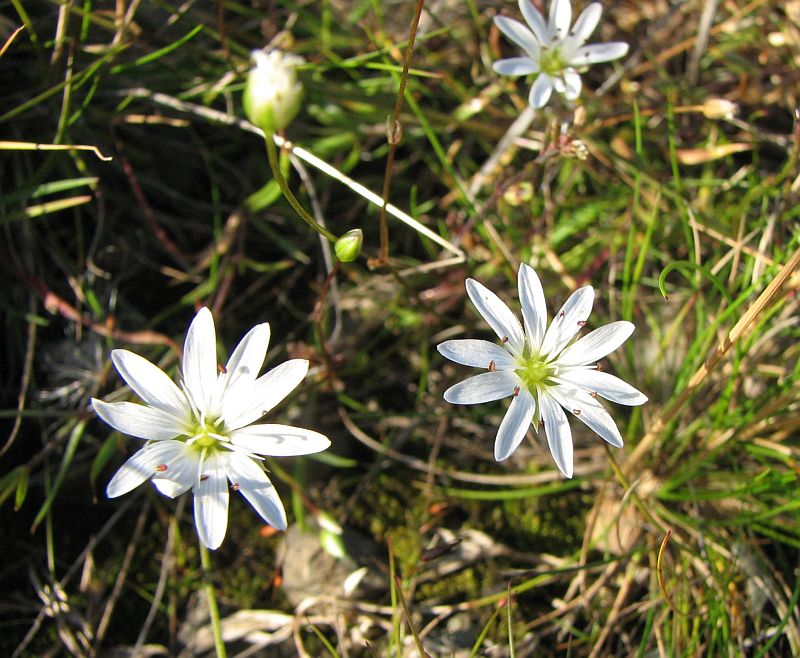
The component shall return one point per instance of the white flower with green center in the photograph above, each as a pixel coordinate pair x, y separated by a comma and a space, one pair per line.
553, 51
200, 435
542, 368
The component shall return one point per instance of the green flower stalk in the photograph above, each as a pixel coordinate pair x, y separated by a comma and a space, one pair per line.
271, 100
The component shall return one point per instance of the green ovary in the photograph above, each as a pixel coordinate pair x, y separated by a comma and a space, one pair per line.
534, 371
551, 62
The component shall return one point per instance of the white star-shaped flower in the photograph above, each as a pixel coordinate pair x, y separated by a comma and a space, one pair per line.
200, 435
553, 51
542, 368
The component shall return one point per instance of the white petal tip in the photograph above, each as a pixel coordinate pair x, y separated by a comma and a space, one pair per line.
501, 457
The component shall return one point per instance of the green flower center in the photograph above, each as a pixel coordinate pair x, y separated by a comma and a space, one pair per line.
534, 371
551, 62
208, 434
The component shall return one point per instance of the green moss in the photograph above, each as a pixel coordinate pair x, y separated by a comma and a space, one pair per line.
553, 524
461, 586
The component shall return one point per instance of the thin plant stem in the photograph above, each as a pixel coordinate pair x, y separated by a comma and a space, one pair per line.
395, 132
319, 312
272, 154
417, 641
213, 610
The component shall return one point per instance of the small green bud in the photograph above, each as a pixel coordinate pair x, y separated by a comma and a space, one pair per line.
272, 92
348, 246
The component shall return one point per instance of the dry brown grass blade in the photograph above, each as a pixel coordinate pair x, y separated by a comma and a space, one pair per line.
10, 40
740, 329
29, 146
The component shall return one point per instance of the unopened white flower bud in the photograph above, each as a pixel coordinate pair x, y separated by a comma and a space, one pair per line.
720, 108
272, 92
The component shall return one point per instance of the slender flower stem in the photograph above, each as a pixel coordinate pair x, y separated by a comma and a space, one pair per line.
394, 132
213, 611
272, 154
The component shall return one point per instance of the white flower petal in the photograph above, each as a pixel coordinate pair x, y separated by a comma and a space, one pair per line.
180, 474
541, 91
142, 466
596, 344
585, 408
486, 387
568, 321
560, 18
243, 365
498, 316
559, 435
534, 19
515, 66
598, 52
267, 391
605, 385
211, 501
515, 425
279, 440
587, 22
476, 353
520, 35
172, 488
255, 486
151, 383
200, 360
534, 309
138, 420
572, 84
